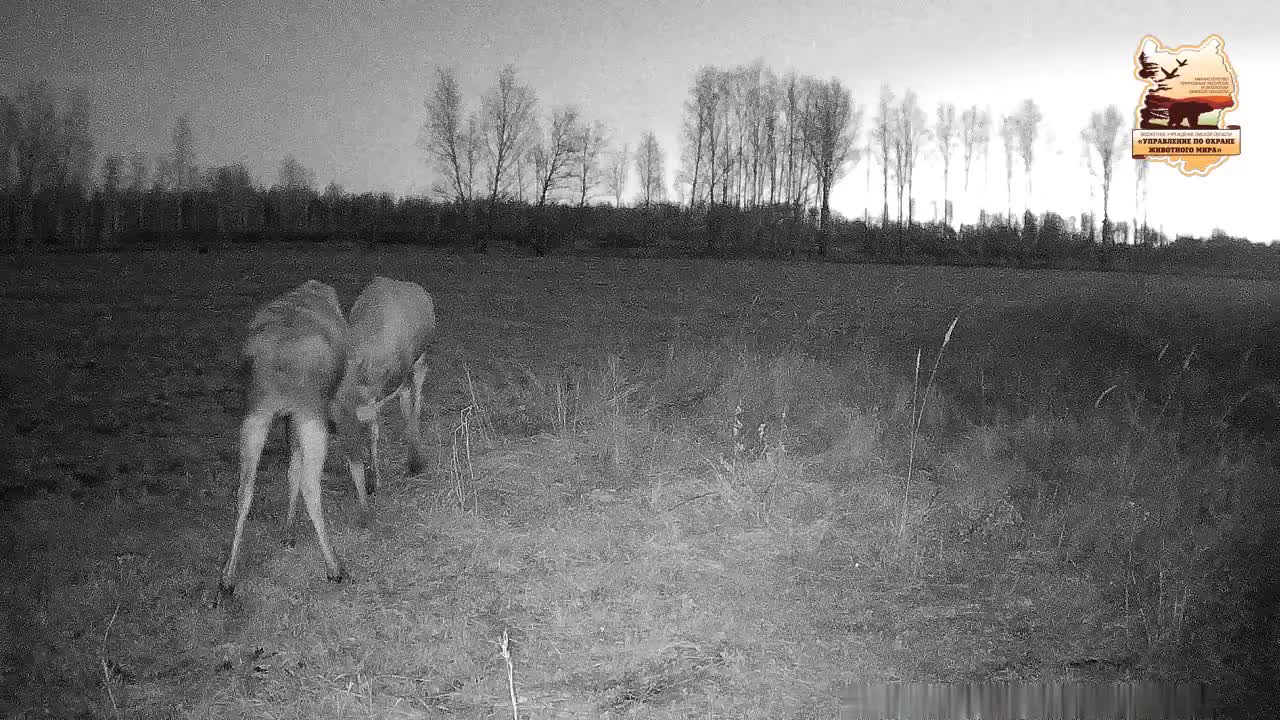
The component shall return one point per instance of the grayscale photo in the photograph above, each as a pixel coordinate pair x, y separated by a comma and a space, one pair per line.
698, 359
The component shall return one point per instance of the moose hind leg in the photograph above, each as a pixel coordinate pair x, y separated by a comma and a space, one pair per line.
313, 439
253, 434
288, 538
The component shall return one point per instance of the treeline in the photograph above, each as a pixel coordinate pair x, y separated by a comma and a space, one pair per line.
759, 156
233, 211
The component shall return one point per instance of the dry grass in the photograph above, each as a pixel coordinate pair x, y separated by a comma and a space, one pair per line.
663, 489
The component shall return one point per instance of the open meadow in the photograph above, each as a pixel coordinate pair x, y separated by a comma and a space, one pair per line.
1082, 486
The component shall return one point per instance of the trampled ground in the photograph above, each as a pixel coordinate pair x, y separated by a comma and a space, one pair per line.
1064, 494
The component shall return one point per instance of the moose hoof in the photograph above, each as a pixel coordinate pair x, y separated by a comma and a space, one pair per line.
225, 592
339, 578
418, 465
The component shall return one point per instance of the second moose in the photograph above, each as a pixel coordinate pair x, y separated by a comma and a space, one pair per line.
391, 323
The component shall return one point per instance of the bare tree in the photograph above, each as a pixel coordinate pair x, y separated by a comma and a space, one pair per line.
31, 119
48, 160
944, 132
697, 133
736, 90
293, 175
234, 193
770, 107
507, 114
617, 168
726, 158
1087, 154
138, 170
1029, 117
968, 139
910, 137
1102, 136
899, 173
649, 168
1009, 135
797, 170
986, 125
752, 83
832, 121
450, 146
76, 153
551, 157
112, 170
741, 138
884, 135
297, 186
524, 172
182, 162
714, 95
588, 145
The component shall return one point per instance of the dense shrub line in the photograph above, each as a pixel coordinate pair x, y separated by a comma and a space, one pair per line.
162, 218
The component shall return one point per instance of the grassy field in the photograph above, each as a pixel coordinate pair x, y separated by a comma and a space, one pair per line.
1082, 486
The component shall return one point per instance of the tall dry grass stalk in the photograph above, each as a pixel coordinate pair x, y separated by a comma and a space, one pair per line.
107, 680
511, 677
473, 427
917, 417
461, 468
609, 407
480, 421
562, 406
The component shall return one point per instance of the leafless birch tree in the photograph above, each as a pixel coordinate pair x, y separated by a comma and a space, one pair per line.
1102, 136
618, 166
883, 135
832, 121
506, 117
448, 140
1009, 135
649, 168
944, 132
551, 156
1029, 117
588, 145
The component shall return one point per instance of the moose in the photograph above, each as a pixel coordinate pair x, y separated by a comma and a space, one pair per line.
303, 360
392, 323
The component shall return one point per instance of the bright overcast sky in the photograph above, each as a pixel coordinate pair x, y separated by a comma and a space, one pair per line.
340, 83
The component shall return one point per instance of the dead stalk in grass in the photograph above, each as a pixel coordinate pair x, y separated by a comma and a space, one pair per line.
511, 677
482, 420
617, 396
562, 409
102, 648
464, 478
1098, 403
917, 418
1177, 378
